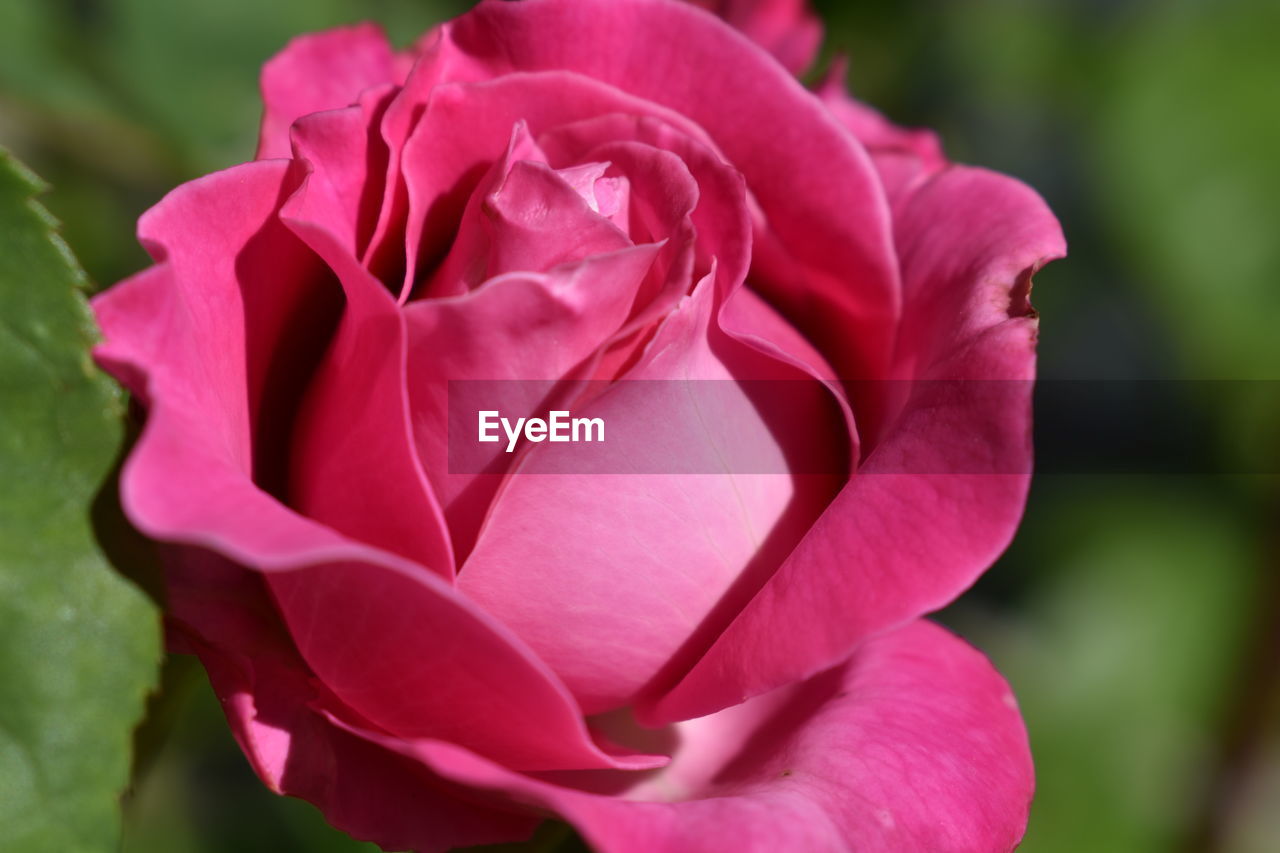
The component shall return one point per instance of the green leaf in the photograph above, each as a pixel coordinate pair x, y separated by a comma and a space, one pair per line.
79, 644
1186, 155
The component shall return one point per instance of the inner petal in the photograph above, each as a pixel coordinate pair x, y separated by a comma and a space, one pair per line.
524, 216
635, 566
607, 196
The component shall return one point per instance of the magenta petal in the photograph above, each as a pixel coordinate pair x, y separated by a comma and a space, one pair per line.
224, 614
346, 160
814, 182
434, 61
873, 130
442, 166
753, 322
914, 744
525, 217
939, 498
904, 157
333, 146
408, 654
465, 265
539, 221
177, 335
970, 240
641, 146
223, 257
320, 71
786, 28
353, 462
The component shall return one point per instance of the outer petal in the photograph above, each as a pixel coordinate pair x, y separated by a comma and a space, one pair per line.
940, 496
786, 28
321, 71
915, 743
183, 336
224, 614
353, 465
264, 304
904, 157
813, 181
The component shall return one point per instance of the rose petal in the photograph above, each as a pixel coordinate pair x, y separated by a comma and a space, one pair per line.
249, 373
814, 182
353, 462
177, 333
921, 520
539, 222
415, 659
320, 71
547, 328
224, 614
343, 150
915, 743
434, 60
463, 268
609, 575
719, 218
524, 218
523, 327
442, 166
904, 157
786, 28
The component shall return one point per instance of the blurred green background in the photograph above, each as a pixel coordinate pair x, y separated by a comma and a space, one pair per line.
1137, 616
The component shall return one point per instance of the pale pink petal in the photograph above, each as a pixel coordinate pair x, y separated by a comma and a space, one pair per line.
600, 193
913, 744
320, 71
942, 490
634, 566
524, 218
531, 329
539, 222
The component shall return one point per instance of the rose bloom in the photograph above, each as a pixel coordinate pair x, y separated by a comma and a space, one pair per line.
560, 189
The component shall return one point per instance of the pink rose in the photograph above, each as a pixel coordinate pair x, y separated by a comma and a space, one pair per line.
569, 190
